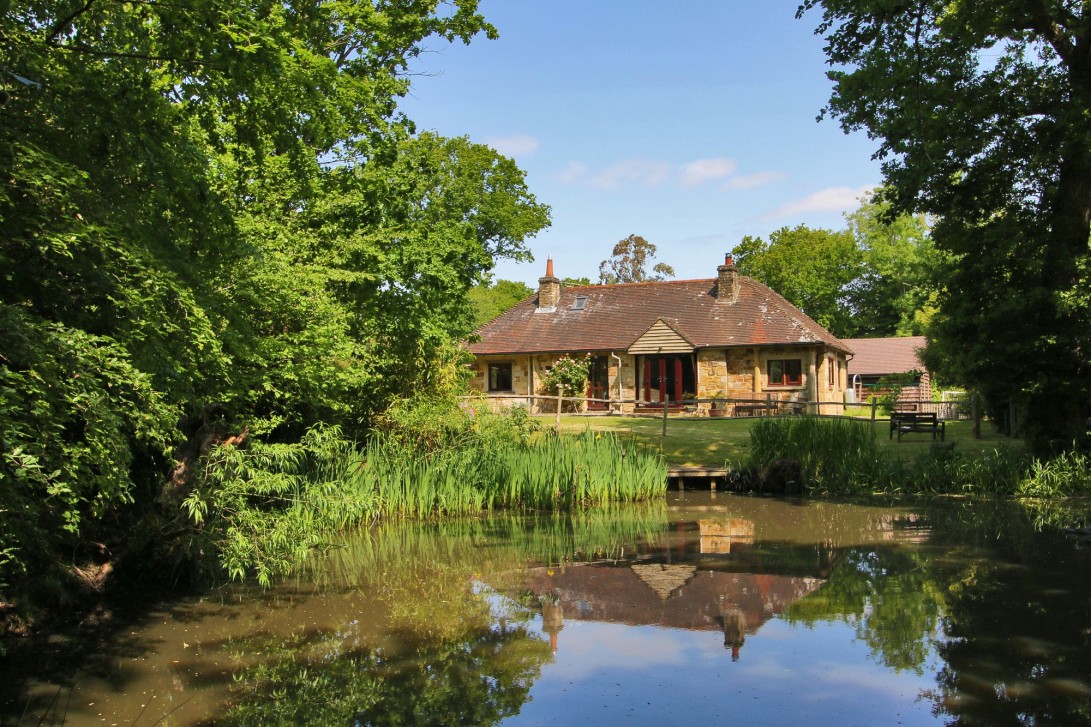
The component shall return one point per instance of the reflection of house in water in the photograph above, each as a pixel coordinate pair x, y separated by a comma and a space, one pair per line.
703, 592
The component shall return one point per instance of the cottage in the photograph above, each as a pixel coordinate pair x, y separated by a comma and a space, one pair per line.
878, 358
728, 337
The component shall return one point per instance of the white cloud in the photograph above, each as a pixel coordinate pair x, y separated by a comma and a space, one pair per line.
648, 172
700, 171
751, 181
573, 173
514, 145
831, 199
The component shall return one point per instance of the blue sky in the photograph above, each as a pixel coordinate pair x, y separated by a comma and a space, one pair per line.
690, 123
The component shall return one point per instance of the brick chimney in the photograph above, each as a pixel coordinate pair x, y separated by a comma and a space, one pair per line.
549, 289
727, 281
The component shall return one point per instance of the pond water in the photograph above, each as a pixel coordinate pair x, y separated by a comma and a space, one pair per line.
702, 608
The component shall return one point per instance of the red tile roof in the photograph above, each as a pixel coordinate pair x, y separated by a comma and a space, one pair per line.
616, 315
880, 356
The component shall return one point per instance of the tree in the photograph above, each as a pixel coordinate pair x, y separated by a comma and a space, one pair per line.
895, 293
628, 263
980, 110
216, 220
492, 299
811, 268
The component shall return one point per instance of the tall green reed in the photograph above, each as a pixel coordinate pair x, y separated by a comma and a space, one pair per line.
264, 508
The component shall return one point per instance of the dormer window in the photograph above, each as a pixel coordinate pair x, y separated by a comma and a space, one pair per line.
580, 303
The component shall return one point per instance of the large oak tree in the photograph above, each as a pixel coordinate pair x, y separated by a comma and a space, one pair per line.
981, 114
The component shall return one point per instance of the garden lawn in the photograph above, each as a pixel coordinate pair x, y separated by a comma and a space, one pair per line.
707, 442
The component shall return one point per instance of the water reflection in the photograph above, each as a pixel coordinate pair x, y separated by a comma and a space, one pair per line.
752, 609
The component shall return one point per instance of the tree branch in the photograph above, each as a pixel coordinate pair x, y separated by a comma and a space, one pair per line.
121, 54
63, 23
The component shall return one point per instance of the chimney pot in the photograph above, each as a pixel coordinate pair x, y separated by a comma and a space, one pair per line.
549, 289
727, 280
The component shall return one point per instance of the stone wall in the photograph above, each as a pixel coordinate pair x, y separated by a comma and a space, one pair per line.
529, 371
720, 372
520, 380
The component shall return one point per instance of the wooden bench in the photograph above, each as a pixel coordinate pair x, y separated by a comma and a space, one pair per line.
752, 407
906, 422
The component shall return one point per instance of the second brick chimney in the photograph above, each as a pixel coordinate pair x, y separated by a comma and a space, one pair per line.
727, 281
549, 289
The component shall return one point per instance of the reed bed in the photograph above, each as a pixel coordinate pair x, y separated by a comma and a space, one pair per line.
841, 457
552, 472
835, 455
266, 508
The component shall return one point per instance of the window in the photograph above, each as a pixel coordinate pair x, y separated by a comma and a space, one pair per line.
500, 377
831, 367
579, 303
785, 372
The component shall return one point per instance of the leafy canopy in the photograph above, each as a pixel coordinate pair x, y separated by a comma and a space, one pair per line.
980, 113
215, 219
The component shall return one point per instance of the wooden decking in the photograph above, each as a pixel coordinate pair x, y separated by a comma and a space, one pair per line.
697, 478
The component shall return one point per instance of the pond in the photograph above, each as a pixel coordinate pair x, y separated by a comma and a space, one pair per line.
702, 608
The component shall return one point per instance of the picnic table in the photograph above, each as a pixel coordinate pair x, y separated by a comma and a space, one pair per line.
907, 422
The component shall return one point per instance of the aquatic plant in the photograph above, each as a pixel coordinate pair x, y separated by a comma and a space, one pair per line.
841, 457
835, 454
263, 509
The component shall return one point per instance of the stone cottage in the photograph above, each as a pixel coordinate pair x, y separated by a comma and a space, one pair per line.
725, 337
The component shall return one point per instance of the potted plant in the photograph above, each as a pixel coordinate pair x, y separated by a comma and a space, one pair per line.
688, 401
719, 407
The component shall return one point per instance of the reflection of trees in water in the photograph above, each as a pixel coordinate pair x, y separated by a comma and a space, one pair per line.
1000, 595
478, 680
893, 597
1018, 633
458, 660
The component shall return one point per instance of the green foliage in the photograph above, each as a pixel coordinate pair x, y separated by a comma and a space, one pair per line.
214, 217
568, 376
263, 510
629, 261
891, 387
840, 457
811, 268
835, 454
492, 299
895, 294
1067, 475
979, 110
74, 414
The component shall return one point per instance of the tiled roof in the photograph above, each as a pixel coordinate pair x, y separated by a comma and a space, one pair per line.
617, 315
879, 356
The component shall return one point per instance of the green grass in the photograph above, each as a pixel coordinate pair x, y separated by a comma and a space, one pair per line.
705, 442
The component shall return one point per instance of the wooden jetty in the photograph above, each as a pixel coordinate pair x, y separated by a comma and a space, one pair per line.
697, 478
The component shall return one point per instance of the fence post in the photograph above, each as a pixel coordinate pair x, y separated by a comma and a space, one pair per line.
874, 405
663, 437
975, 412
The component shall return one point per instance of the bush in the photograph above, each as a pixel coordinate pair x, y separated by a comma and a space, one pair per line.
835, 455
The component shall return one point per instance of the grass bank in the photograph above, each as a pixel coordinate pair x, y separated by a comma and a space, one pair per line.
845, 456
707, 442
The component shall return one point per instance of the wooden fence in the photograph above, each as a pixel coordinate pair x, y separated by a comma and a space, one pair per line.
768, 405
